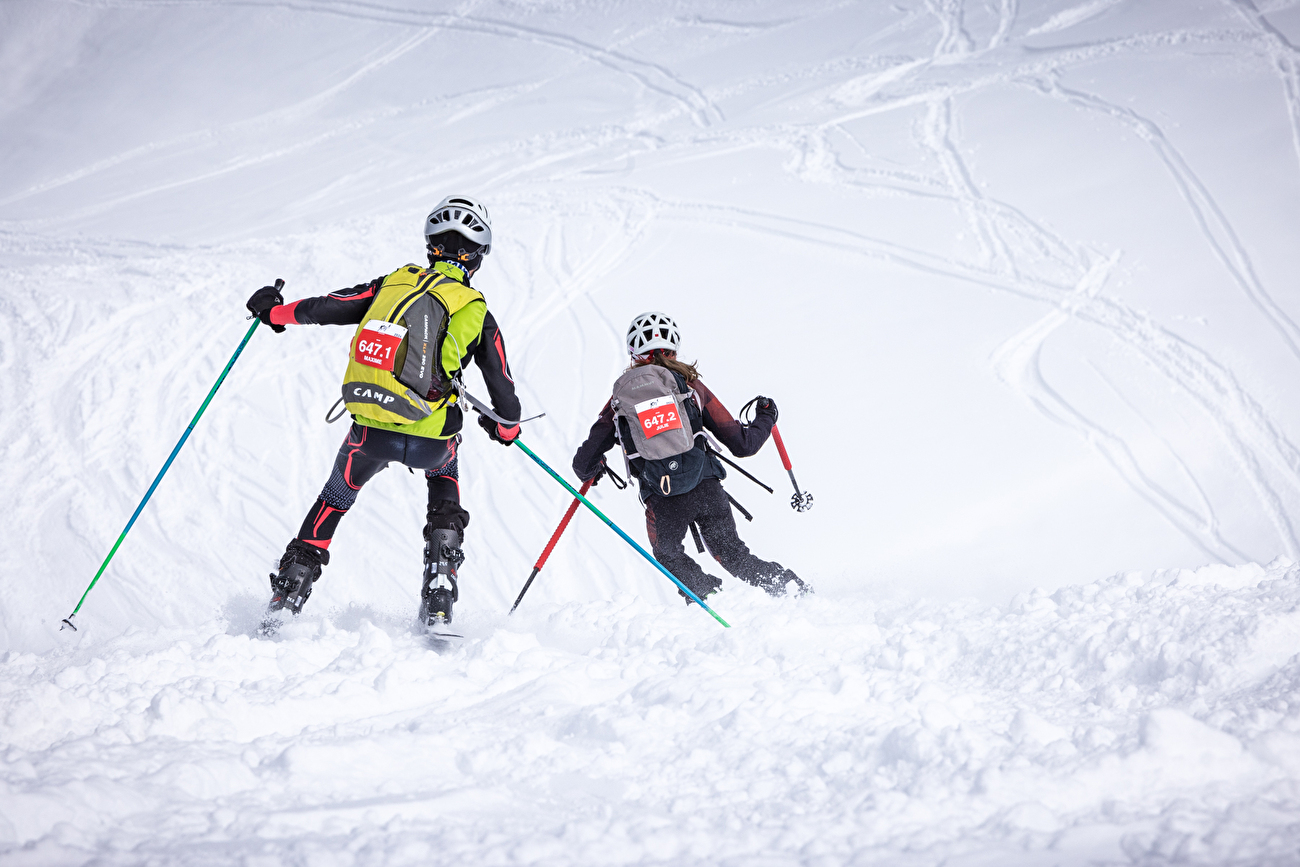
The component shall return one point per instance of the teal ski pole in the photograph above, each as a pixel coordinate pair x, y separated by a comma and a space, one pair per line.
67, 621
626, 538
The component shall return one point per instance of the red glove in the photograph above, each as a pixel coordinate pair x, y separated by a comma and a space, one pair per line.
499, 432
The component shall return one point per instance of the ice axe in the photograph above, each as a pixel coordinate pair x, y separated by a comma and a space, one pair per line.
801, 501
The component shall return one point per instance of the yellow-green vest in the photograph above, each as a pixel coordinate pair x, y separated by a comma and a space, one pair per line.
387, 376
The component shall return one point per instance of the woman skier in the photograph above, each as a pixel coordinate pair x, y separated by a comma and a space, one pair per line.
393, 420
658, 412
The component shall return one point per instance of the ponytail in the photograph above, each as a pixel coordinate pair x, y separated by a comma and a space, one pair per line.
659, 357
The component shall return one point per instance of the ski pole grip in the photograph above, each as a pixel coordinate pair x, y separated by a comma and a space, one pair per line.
780, 447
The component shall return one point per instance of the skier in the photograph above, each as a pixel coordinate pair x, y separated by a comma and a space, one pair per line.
417, 427
679, 474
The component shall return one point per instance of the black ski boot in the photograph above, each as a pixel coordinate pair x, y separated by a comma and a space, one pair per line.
442, 558
299, 569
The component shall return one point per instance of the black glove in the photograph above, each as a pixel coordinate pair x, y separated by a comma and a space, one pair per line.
765, 406
498, 432
600, 472
261, 302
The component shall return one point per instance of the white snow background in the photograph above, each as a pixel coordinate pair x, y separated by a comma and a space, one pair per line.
1020, 275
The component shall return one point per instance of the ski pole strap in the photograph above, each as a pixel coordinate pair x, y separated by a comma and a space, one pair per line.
67, 621
780, 447
613, 476
555, 537
626, 538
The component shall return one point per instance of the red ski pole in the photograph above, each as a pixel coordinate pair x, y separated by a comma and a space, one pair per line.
555, 537
800, 502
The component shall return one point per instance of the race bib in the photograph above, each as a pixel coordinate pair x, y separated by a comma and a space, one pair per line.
658, 415
377, 345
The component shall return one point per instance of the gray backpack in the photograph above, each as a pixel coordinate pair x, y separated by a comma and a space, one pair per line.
661, 419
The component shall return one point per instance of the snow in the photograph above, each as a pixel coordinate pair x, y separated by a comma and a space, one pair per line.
1144, 718
1018, 275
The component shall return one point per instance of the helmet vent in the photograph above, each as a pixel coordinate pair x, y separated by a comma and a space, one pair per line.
464, 216
651, 331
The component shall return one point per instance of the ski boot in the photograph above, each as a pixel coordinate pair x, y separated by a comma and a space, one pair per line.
300, 568
442, 557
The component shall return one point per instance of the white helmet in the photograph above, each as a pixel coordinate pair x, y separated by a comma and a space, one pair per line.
463, 215
651, 331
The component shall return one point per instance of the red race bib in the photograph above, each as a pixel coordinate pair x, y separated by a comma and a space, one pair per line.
377, 345
658, 415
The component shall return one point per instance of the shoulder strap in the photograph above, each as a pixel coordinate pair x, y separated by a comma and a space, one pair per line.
452, 293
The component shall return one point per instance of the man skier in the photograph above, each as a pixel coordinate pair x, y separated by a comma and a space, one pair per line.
393, 420
680, 485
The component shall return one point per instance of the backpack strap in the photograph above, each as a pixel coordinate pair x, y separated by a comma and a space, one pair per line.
627, 459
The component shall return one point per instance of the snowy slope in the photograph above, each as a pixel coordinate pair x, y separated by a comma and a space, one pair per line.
1019, 276
1145, 719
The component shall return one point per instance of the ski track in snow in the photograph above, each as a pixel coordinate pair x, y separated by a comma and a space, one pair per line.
1142, 719
650, 75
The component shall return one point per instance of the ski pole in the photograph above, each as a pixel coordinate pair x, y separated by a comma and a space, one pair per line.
626, 538
800, 502
555, 537
67, 621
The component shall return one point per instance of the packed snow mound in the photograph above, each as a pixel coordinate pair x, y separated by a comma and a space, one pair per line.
1142, 719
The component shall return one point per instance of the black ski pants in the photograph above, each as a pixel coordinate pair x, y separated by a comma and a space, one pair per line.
366, 451
667, 521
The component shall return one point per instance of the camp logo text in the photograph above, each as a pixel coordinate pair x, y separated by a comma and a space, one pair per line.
365, 394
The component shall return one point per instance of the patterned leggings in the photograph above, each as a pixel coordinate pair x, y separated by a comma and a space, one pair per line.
366, 451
